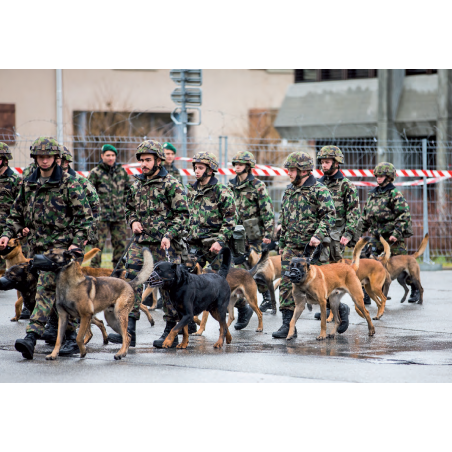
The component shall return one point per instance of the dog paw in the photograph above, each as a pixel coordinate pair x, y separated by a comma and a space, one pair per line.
14, 319
152, 323
117, 357
273, 312
105, 341
259, 330
330, 336
289, 338
50, 357
198, 333
376, 318
321, 338
371, 332
184, 346
218, 345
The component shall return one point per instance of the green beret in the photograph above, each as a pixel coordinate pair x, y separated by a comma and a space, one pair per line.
109, 147
170, 147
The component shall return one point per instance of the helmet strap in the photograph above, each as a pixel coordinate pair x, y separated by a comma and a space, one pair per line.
297, 180
386, 181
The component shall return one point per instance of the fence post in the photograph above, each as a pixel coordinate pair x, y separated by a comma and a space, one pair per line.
225, 158
220, 152
426, 256
59, 105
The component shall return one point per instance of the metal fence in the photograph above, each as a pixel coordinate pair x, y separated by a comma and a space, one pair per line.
359, 154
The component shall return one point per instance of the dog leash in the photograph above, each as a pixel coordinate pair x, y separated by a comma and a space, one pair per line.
125, 252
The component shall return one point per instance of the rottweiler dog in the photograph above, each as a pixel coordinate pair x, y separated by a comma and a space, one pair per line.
192, 294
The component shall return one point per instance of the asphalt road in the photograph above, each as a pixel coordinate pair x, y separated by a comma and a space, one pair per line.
413, 343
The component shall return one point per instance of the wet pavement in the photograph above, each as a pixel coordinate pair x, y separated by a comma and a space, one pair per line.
413, 343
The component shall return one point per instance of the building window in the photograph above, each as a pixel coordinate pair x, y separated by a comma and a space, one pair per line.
322, 75
420, 71
8, 123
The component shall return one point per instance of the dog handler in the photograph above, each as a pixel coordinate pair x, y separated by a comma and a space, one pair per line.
53, 211
157, 212
387, 213
307, 216
255, 213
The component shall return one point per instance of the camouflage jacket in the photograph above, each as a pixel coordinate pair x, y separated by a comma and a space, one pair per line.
212, 211
9, 188
346, 202
160, 205
387, 212
112, 184
173, 171
306, 211
29, 170
252, 201
57, 213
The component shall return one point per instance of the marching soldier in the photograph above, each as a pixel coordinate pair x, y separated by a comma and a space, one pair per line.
157, 212
307, 216
170, 155
52, 210
112, 184
255, 213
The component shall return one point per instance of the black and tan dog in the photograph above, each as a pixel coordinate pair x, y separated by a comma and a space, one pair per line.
313, 284
192, 294
83, 296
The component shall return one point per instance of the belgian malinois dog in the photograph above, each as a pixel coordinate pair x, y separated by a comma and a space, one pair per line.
83, 296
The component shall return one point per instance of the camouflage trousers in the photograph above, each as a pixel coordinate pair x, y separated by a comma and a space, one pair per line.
332, 252
45, 302
118, 233
135, 258
209, 258
397, 248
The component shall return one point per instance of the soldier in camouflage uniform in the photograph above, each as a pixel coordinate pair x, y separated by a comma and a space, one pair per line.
29, 170
307, 216
52, 210
255, 213
112, 184
170, 154
387, 213
157, 212
9, 188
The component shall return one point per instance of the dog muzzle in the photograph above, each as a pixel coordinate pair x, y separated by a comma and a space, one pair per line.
155, 280
6, 251
294, 275
43, 263
6, 284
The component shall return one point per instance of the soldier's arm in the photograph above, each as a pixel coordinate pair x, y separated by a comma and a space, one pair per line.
266, 211
129, 180
229, 212
179, 208
281, 222
15, 221
403, 216
130, 208
326, 213
352, 212
93, 179
82, 215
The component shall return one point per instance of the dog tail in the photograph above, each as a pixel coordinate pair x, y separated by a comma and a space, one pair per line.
145, 272
90, 254
422, 247
357, 252
226, 264
387, 250
263, 258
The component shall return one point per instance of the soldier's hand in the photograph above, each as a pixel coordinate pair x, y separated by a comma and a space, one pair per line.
344, 241
280, 251
165, 244
72, 247
314, 241
267, 241
392, 239
3, 242
215, 248
25, 231
137, 228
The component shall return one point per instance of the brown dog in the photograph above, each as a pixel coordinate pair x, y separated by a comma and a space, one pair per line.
243, 285
315, 285
404, 267
372, 275
83, 296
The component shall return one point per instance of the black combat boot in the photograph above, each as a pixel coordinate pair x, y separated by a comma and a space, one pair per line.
245, 314
51, 331
159, 303
26, 346
415, 294
317, 314
131, 329
282, 333
159, 342
70, 346
25, 314
366, 297
192, 328
266, 302
344, 311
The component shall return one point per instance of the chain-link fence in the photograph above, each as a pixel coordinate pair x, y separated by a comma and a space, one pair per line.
360, 154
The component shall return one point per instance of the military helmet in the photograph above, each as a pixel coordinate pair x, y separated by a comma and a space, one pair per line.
207, 158
45, 146
66, 154
245, 157
300, 160
150, 147
5, 152
331, 152
385, 169
170, 147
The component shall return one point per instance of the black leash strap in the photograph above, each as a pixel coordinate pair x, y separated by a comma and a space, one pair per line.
125, 252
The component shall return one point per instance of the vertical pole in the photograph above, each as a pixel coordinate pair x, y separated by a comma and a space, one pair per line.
59, 105
225, 158
220, 152
184, 123
82, 145
426, 256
